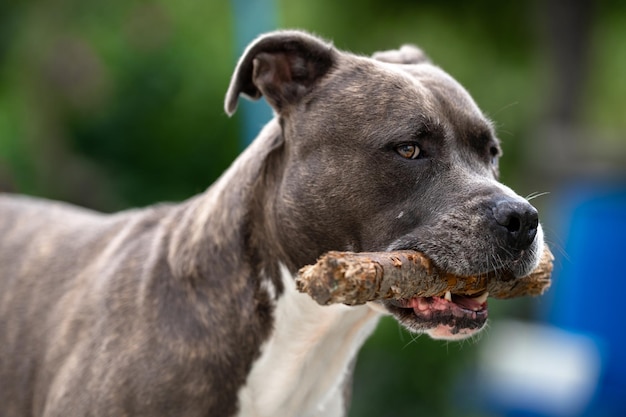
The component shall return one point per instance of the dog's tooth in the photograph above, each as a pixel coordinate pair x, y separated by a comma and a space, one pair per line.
448, 296
482, 298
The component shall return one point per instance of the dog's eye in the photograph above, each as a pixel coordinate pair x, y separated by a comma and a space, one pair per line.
408, 151
495, 155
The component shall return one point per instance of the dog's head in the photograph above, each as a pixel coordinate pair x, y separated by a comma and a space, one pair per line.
387, 153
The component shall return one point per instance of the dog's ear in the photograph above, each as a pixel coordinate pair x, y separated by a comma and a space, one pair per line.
407, 54
283, 66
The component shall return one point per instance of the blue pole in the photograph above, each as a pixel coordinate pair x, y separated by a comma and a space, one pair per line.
252, 17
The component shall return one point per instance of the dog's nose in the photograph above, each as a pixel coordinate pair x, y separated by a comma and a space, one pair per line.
518, 221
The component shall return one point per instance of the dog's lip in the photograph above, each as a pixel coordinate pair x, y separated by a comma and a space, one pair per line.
450, 316
517, 265
457, 304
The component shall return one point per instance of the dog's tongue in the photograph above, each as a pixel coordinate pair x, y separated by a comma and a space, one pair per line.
447, 301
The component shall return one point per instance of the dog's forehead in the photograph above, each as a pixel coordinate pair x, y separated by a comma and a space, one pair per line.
439, 91
403, 97
420, 88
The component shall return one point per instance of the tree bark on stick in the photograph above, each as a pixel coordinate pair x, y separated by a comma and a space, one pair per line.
354, 278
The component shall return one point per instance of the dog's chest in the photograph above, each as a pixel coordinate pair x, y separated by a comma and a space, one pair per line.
304, 364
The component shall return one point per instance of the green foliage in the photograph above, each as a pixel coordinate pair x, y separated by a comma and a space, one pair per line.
402, 375
124, 97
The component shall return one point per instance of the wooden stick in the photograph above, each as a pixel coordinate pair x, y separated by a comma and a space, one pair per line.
356, 278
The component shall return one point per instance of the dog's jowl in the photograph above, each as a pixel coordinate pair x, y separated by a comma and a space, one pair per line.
191, 309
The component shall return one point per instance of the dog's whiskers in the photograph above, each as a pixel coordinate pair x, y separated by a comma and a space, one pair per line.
558, 247
515, 103
413, 336
556, 244
536, 194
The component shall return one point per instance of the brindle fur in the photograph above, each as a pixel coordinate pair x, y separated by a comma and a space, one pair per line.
163, 311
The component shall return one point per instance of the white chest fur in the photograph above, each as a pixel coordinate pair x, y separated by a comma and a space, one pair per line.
304, 363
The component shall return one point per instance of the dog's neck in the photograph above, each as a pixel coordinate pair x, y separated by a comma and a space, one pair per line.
230, 219
305, 350
305, 366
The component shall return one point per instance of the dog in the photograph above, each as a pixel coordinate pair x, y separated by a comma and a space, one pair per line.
191, 309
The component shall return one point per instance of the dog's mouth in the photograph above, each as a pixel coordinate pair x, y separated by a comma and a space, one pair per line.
451, 316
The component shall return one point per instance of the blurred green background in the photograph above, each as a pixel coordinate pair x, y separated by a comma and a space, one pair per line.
118, 104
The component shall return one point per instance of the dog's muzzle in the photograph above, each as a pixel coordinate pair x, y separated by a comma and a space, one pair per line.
511, 232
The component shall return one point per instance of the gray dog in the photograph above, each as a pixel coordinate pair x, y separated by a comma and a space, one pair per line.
191, 309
